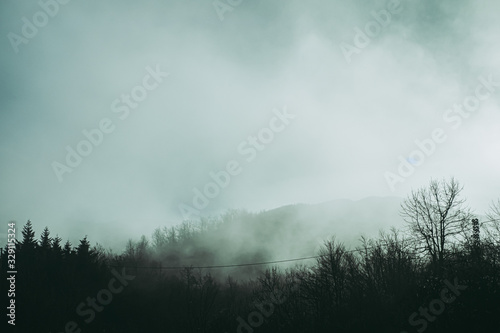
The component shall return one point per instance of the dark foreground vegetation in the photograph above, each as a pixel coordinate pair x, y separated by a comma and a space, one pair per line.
442, 274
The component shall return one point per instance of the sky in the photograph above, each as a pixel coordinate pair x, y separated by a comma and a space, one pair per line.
282, 102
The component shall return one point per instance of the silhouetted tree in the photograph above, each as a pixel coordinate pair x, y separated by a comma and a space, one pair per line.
434, 215
492, 228
45, 240
494, 213
56, 246
28, 243
84, 252
67, 250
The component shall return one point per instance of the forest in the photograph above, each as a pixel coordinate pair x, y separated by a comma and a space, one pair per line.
440, 273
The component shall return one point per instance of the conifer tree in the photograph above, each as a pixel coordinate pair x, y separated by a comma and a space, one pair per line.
29, 243
45, 240
56, 247
83, 250
67, 250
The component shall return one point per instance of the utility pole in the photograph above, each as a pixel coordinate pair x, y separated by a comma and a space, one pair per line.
475, 232
475, 239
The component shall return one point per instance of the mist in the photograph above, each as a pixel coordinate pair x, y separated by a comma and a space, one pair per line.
221, 152
354, 116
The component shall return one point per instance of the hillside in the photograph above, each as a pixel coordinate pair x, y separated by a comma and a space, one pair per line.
291, 231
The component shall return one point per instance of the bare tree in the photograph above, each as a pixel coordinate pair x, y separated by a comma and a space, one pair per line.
494, 214
435, 215
493, 227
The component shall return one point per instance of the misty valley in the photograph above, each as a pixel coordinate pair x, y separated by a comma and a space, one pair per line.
292, 269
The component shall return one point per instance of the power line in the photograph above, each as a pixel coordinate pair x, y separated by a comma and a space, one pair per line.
220, 266
241, 265
160, 267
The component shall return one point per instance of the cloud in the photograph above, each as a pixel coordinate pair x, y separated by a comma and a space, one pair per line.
353, 120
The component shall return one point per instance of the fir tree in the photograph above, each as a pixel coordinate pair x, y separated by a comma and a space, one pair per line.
45, 240
29, 243
56, 245
83, 249
67, 250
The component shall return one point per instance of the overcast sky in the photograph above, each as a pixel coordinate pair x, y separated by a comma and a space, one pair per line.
230, 71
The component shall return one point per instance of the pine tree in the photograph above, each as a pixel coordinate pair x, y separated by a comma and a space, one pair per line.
29, 243
56, 246
45, 240
83, 250
67, 251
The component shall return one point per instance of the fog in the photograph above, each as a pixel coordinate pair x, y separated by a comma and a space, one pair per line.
349, 117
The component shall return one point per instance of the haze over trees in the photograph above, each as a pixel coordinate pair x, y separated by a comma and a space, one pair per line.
390, 283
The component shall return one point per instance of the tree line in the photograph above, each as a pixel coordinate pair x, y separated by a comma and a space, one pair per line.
439, 274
